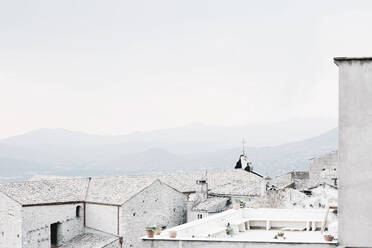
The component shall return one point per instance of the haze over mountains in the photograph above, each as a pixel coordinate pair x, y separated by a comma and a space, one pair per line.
273, 148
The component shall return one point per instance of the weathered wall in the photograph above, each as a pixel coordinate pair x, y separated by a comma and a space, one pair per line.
282, 181
157, 204
102, 217
226, 244
323, 168
37, 221
355, 153
10, 223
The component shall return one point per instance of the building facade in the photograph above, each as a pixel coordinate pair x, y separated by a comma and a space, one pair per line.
323, 169
105, 212
355, 156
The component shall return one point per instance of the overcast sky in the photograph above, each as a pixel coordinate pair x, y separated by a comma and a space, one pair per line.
111, 67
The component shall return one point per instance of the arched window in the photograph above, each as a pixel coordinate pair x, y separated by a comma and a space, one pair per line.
78, 209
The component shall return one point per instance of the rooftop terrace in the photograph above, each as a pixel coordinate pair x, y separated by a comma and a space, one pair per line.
299, 226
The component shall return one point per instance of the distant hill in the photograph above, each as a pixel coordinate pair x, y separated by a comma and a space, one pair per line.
62, 152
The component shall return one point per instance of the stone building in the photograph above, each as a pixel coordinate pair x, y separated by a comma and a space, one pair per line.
97, 212
41, 214
219, 190
323, 169
210, 206
294, 180
113, 211
124, 206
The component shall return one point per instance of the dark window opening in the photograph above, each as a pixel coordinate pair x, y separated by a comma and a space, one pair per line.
54, 234
334, 181
134, 214
200, 216
323, 169
78, 209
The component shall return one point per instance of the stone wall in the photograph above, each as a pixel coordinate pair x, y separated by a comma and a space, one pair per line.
157, 204
10, 223
323, 169
282, 181
37, 220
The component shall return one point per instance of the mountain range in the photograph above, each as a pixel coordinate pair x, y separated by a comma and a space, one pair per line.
271, 150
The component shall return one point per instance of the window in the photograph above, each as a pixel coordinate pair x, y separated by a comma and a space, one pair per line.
200, 216
78, 210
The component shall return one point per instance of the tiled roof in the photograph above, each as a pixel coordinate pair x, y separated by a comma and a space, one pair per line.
46, 191
212, 205
116, 189
234, 182
220, 182
91, 240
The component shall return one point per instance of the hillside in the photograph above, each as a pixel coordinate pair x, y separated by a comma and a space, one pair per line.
62, 152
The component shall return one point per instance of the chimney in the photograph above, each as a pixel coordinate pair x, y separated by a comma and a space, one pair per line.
201, 190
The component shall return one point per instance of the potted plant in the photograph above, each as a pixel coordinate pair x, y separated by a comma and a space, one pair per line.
158, 230
328, 237
229, 230
150, 230
236, 205
279, 235
172, 234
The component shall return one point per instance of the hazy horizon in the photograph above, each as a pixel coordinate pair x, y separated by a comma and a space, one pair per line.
116, 67
325, 125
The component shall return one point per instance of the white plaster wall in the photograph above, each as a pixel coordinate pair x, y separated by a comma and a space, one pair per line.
157, 203
355, 153
10, 223
226, 244
102, 217
37, 220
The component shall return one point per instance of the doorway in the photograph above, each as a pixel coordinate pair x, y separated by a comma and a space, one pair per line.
54, 234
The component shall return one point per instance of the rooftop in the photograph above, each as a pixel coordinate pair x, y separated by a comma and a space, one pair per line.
257, 225
338, 60
351, 58
91, 239
46, 192
212, 205
116, 190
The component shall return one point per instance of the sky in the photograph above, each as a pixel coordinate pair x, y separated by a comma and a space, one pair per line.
115, 67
